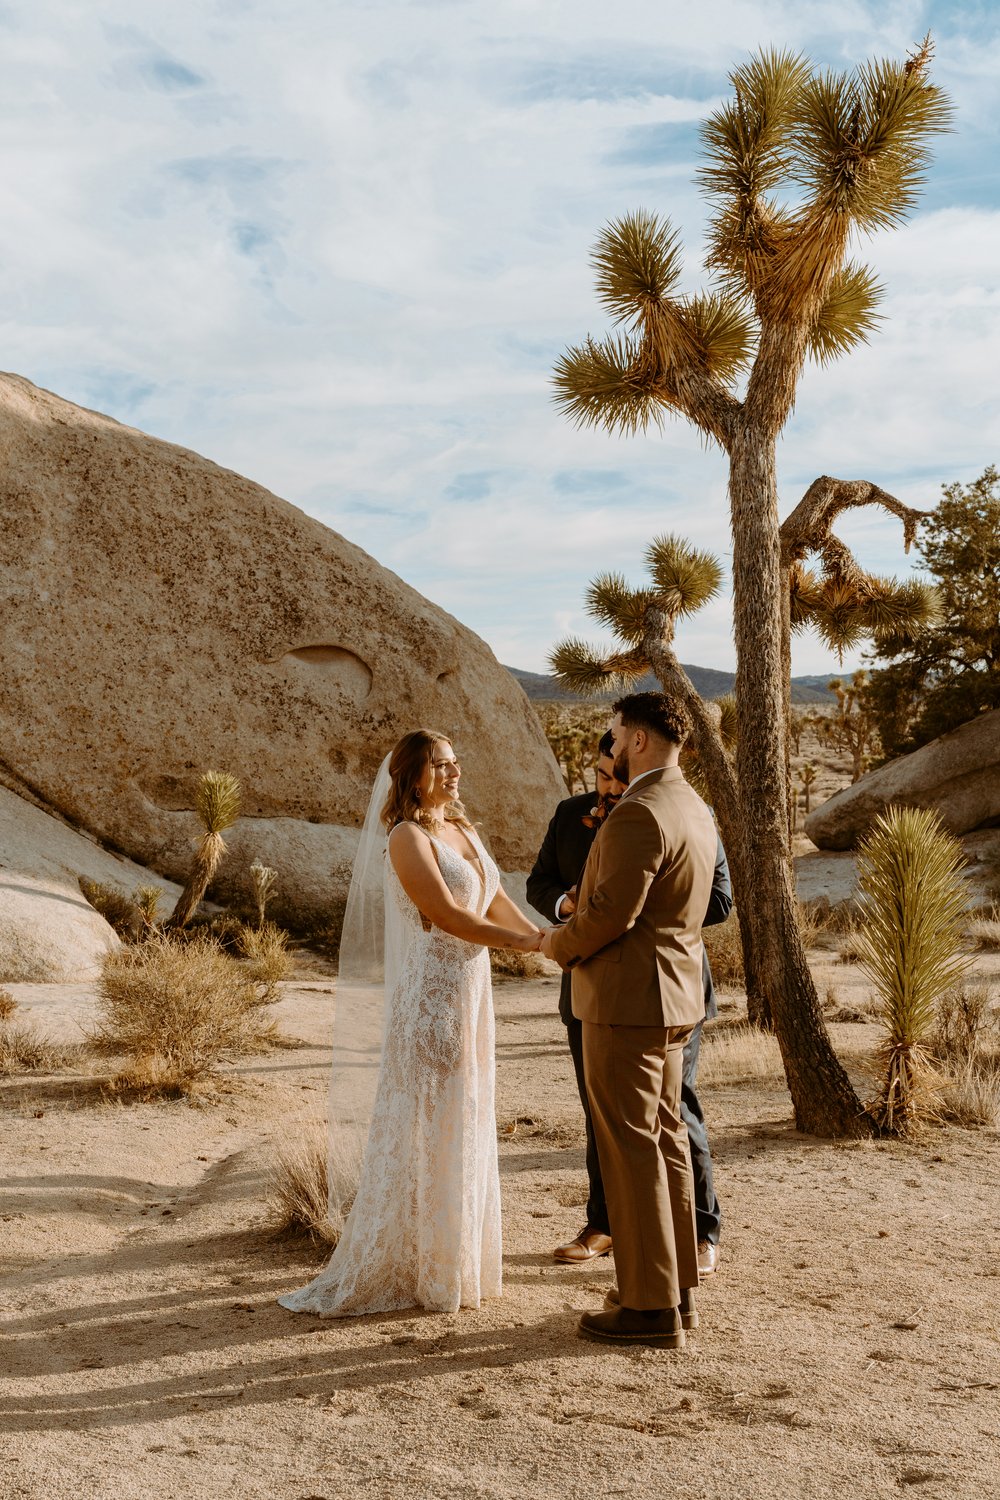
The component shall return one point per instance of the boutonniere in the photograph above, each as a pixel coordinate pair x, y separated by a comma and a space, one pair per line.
597, 813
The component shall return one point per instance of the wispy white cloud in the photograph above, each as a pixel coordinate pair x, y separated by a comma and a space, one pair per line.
338, 247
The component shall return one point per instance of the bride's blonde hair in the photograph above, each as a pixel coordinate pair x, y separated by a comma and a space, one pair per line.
407, 764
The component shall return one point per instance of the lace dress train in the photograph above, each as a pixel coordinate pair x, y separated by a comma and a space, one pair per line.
424, 1229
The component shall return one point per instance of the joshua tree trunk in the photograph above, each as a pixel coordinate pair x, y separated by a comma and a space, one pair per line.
823, 1098
721, 779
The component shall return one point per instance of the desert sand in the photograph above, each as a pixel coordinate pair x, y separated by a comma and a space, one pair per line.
848, 1342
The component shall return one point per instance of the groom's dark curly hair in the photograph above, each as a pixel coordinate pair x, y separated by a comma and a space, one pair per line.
658, 713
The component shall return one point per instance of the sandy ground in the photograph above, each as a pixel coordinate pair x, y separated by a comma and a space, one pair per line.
848, 1342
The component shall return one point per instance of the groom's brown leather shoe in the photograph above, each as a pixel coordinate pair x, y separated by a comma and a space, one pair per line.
687, 1309
590, 1244
625, 1325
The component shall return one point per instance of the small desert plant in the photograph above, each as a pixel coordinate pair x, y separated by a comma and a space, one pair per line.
264, 951
913, 904
984, 930
217, 803
970, 1095
510, 963
24, 1049
725, 953
300, 1191
114, 906
807, 775
733, 1054
147, 902
262, 880
966, 1024
174, 1009
8, 1005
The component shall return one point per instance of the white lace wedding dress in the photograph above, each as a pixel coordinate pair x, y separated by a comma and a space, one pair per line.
424, 1230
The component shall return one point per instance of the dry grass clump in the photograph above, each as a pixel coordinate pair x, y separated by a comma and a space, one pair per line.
984, 931
510, 963
175, 1010
966, 1043
725, 953
969, 1095
299, 1186
8, 1005
738, 1054
114, 906
24, 1049
264, 951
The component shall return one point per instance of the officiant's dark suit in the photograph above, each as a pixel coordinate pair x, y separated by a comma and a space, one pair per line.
558, 868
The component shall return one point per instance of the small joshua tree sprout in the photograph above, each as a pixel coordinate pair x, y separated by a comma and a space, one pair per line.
910, 943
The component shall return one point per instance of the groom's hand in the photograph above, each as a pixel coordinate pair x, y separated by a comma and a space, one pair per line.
546, 943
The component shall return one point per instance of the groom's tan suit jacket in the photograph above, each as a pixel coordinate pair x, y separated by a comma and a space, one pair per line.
634, 944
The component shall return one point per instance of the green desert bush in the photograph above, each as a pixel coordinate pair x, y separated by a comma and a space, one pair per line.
911, 945
174, 1011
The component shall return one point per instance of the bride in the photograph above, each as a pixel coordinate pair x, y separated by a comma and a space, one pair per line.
424, 1227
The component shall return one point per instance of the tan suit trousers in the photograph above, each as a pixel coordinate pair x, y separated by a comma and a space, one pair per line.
634, 1076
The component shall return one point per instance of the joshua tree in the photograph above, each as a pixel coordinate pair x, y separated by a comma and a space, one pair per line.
217, 804
807, 775
849, 151
854, 725
913, 900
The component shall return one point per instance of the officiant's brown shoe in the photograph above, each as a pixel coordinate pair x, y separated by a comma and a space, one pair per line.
687, 1309
590, 1244
625, 1325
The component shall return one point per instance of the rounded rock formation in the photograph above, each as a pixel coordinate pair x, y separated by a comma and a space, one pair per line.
958, 776
164, 616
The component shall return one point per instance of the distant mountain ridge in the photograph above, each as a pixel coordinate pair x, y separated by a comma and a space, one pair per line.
709, 683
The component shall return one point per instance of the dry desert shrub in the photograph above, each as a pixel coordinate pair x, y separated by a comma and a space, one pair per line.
114, 906
264, 951
24, 1049
966, 1024
737, 1054
174, 1010
262, 883
984, 931
299, 1186
8, 1005
725, 953
969, 1095
509, 963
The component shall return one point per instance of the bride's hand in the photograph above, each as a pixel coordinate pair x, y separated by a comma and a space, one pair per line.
527, 942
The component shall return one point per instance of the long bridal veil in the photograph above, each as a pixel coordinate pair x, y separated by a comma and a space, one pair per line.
371, 953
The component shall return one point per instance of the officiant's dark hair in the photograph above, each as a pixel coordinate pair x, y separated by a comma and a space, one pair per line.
657, 713
407, 764
606, 745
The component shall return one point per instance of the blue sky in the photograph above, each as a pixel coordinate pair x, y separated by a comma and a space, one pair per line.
337, 247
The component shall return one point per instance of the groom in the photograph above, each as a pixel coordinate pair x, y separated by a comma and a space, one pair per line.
634, 946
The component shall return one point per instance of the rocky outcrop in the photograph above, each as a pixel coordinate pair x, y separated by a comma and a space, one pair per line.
48, 932
164, 616
957, 775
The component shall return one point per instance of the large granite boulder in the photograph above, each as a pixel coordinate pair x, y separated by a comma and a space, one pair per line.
48, 932
164, 616
957, 775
